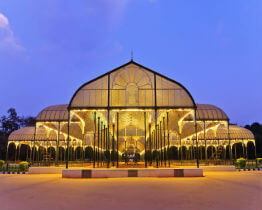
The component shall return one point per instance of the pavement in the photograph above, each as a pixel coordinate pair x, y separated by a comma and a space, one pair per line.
232, 190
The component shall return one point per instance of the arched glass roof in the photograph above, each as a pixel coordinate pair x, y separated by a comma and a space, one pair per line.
131, 85
208, 112
235, 133
27, 134
53, 113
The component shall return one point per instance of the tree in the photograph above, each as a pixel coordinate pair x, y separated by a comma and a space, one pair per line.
13, 122
256, 129
28, 121
10, 123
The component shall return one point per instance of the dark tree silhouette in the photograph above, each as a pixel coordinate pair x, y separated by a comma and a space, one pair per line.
256, 129
10, 123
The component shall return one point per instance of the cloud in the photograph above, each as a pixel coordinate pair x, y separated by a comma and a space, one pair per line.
8, 42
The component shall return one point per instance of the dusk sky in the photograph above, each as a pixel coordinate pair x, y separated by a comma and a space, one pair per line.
48, 48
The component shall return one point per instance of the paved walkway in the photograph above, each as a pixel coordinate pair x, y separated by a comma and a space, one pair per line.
217, 190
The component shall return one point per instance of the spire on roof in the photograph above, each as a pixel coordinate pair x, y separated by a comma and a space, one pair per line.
132, 55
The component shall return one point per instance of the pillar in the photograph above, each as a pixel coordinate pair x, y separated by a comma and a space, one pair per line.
201, 152
157, 131
205, 140
113, 145
33, 151
197, 150
27, 152
235, 151
101, 144
94, 146
125, 152
164, 129
19, 151
161, 143
107, 145
168, 140
246, 151
150, 144
117, 140
98, 141
229, 142
38, 154
104, 137
180, 148
243, 148
6, 155
145, 139
15, 152
68, 139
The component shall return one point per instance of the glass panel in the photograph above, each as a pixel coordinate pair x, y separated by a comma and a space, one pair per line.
171, 94
92, 94
132, 86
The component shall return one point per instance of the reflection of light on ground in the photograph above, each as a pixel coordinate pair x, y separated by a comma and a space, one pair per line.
217, 190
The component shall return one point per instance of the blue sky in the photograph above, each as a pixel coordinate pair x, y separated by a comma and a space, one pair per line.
48, 48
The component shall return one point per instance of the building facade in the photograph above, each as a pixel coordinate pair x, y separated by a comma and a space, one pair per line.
131, 113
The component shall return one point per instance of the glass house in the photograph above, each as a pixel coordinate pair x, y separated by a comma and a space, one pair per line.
131, 115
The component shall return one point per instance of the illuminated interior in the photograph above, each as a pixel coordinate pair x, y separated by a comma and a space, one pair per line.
130, 110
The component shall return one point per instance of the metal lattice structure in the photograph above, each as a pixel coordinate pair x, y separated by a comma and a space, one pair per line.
131, 110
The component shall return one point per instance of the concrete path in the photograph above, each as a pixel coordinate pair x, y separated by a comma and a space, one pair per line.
217, 190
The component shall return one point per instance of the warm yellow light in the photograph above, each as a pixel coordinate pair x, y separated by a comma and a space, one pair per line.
89, 110
130, 110
72, 137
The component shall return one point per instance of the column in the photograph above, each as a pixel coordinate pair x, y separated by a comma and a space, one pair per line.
168, 141
104, 152
57, 144
243, 148
94, 146
205, 140
145, 140
113, 144
161, 143
6, 155
150, 143
246, 150
101, 144
19, 151
180, 148
117, 140
197, 149
164, 130
157, 131
68, 139
33, 153
229, 142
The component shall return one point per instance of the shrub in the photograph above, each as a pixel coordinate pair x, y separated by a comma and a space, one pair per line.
259, 161
2, 162
241, 163
4, 169
23, 166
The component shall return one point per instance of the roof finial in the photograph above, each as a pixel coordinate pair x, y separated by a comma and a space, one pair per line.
132, 55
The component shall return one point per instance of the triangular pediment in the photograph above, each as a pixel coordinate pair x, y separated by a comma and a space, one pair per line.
132, 85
